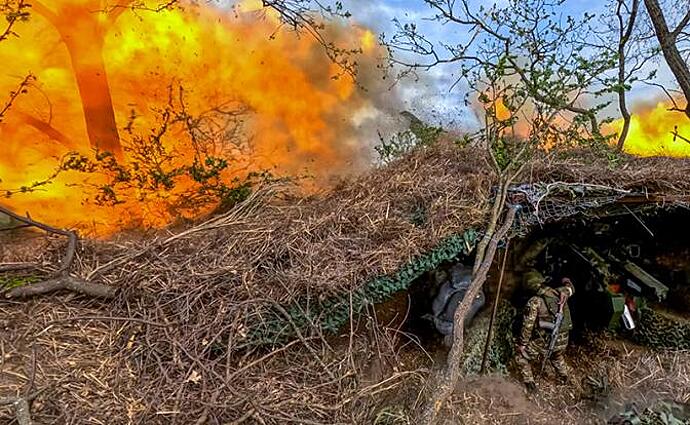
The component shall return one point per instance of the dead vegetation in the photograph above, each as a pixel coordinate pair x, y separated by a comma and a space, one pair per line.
179, 344
609, 376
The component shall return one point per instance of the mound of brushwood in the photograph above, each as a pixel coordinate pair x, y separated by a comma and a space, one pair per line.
234, 318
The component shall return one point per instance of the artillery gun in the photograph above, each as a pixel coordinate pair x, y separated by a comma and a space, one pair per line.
623, 284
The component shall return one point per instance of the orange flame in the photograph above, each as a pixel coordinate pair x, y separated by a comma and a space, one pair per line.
299, 103
655, 130
651, 129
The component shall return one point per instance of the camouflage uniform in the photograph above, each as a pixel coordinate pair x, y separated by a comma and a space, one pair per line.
534, 336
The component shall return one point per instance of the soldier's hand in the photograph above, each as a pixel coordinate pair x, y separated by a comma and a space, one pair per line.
568, 284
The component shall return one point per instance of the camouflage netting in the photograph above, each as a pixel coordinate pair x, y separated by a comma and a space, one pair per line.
187, 337
662, 330
501, 348
333, 313
661, 413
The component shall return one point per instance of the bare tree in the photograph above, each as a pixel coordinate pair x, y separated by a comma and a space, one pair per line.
14, 11
668, 41
627, 37
82, 29
625, 31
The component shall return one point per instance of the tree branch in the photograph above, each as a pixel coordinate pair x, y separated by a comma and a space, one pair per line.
625, 31
117, 10
452, 372
42, 10
71, 235
676, 135
13, 15
46, 129
21, 409
68, 283
12, 267
302, 16
21, 89
681, 25
62, 280
669, 47
539, 97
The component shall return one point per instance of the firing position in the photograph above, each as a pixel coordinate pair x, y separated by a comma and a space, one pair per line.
545, 327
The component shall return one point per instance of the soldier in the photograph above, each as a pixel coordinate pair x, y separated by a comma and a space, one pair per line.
538, 323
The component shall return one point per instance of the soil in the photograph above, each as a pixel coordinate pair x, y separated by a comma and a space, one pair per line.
629, 375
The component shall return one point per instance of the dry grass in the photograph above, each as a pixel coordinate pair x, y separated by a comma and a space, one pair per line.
634, 375
172, 348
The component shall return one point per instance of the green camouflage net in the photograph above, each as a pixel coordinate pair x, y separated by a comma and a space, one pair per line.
501, 347
653, 417
331, 314
661, 413
660, 330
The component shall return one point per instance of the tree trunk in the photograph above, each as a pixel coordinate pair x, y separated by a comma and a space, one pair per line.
97, 103
667, 41
625, 33
626, 121
446, 382
83, 34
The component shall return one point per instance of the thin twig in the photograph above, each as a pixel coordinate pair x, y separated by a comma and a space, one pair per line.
489, 334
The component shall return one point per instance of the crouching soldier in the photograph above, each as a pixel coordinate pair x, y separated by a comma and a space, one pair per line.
539, 321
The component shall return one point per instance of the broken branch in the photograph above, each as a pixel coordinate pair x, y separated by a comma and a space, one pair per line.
63, 280
71, 235
69, 283
21, 408
676, 135
13, 267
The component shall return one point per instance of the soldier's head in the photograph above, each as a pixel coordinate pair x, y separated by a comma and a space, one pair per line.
534, 281
568, 285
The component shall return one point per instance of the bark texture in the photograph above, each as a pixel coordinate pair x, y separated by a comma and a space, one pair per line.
667, 41
445, 383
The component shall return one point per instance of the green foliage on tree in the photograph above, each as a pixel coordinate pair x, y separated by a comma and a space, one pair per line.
419, 134
15, 12
526, 58
183, 162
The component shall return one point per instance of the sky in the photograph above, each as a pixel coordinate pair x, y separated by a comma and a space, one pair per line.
431, 94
